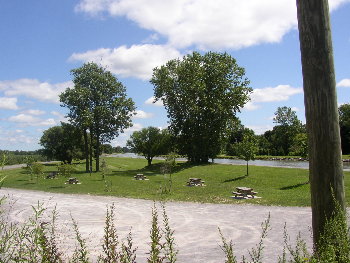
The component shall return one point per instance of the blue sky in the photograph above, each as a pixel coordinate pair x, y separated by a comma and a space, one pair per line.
42, 40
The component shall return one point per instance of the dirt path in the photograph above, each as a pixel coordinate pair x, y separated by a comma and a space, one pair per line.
196, 225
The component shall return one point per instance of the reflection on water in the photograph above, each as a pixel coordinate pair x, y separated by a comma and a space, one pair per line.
272, 163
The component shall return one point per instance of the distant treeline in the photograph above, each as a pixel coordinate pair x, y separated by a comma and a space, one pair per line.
17, 157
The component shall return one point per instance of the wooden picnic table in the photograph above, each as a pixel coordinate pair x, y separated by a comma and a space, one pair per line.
244, 192
195, 182
140, 177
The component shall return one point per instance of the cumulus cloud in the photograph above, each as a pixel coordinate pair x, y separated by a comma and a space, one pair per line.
29, 120
59, 117
140, 114
279, 93
8, 103
206, 24
260, 129
34, 112
135, 61
344, 83
150, 101
35, 89
135, 127
20, 139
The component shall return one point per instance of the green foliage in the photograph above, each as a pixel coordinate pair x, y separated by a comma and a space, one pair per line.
62, 143
110, 238
150, 142
201, 94
227, 248
156, 236
80, 252
247, 148
98, 102
170, 251
344, 122
66, 169
287, 127
334, 244
300, 145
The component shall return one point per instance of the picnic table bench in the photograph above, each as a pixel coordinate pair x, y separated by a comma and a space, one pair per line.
195, 182
72, 180
52, 175
244, 192
140, 177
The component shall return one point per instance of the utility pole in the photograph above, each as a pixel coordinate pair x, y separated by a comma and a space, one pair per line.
321, 110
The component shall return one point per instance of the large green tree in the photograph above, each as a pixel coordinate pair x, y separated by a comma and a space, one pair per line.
150, 142
75, 99
62, 143
344, 122
201, 94
101, 104
287, 127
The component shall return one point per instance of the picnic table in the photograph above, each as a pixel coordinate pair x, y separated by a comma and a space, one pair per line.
72, 180
195, 182
140, 177
244, 192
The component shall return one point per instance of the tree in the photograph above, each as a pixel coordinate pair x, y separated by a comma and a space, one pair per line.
322, 120
62, 143
344, 122
287, 127
101, 105
201, 94
75, 99
150, 142
247, 148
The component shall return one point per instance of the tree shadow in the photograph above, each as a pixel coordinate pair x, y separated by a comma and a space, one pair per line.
235, 179
294, 186
153, 170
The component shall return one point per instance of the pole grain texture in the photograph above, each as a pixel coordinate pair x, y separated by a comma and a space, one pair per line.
321, 110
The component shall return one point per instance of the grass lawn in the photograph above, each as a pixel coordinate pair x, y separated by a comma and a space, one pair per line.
276, 186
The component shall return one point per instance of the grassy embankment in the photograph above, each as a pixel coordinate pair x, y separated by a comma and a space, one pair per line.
276, 186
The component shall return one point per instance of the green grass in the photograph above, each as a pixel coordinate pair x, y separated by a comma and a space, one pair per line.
276, 186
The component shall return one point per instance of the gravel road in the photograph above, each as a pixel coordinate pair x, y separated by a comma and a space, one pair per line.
195, 224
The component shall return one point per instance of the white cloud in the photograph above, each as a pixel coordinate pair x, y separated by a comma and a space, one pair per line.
29, 120
206, 24
8, 103
143, 115
279, 93
260, 129
344, 83
21, 139
135, 127
135, 61
33, 88
59, 116
34, 112
150, 101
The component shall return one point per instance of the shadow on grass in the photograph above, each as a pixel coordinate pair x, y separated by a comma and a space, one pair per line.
235, 179
153, 170
293, 186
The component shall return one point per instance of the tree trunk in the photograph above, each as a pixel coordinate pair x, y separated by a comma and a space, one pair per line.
247, 169
321, 110
97, 152
91, 149
86, 148
149, 160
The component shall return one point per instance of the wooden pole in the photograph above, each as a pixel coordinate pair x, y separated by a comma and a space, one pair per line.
321, 110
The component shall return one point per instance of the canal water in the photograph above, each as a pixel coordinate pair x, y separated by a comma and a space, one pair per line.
271, 163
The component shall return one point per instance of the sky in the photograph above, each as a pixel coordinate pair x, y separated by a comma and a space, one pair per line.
41, 41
